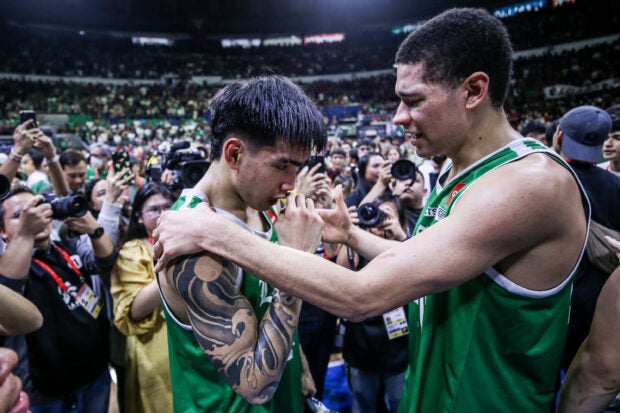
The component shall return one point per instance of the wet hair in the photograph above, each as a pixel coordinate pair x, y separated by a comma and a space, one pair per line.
71, 157
16, 190
263, 109
135, 229
457, 43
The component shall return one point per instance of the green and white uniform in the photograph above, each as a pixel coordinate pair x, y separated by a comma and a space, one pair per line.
488, 345
196, 384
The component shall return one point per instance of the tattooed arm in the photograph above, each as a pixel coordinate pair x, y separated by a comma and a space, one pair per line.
251, 357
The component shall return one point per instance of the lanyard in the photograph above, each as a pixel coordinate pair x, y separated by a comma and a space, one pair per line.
53, 273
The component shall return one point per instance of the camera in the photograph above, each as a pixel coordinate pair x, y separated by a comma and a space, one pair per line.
403, 169
370, 215
5, 187
72, 206
187, 167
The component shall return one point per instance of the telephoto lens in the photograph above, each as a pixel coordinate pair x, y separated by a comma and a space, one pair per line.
403, 169
370, 215
72, 206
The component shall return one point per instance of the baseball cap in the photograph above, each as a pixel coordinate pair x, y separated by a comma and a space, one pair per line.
585, 130
614, 112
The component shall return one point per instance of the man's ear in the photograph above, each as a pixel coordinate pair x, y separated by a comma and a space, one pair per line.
233, 150
477, 88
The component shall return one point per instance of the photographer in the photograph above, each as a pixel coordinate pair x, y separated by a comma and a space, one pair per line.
64, 363
375, 350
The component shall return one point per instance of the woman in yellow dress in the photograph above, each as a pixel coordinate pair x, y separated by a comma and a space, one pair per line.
137, 307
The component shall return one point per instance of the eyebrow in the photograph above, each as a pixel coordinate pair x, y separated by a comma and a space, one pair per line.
284, 159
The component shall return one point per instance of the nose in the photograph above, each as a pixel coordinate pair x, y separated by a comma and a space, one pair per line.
289, 183
401, 117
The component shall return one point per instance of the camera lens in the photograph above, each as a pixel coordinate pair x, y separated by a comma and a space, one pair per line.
370, 215
403, 169
73, 206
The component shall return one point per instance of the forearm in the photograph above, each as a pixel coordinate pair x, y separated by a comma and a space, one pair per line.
588, 386
59, 183
15, 262
145, 302
102, 246
29, 320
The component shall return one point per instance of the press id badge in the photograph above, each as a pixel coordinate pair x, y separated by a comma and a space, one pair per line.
396, 323
87, 298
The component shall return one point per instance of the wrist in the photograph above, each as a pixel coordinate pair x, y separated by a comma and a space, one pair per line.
51, 159
15, 157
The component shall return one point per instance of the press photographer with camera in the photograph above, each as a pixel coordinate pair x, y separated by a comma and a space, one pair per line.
375, 349
64, 363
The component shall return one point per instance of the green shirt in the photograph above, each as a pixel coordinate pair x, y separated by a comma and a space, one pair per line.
197, 386
487, 345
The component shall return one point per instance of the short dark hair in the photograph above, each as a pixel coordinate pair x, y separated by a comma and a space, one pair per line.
263, 109
16, 190
458, 42
71, 157
37, 158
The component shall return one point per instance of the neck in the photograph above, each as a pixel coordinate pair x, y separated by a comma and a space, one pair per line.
614, 165
490, 133
218, 187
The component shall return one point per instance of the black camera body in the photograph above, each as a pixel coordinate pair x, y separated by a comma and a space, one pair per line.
187, 167
5, 187
72, 206
370, 215
403, 169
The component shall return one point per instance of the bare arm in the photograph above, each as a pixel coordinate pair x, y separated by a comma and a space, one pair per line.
593, 378
44, 144
250, 356
494, 224
17, 315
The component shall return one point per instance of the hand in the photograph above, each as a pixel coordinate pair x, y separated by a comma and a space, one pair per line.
44, 144
116, 184
300, 225
385, 173
86, 224
391, 226
337, 222
23, 138
12, 398
174, 237
308, 181
34, 218
615, 244
167, 177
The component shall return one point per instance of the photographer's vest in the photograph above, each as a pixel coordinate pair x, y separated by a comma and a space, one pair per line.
488, 345
196, 384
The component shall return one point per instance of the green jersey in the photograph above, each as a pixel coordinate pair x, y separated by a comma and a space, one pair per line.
488, 345
196, 384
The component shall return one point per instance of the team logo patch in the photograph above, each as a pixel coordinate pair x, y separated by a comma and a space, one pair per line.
455, 191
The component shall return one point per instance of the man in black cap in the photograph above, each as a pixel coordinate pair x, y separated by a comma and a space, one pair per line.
534, 128
579, 139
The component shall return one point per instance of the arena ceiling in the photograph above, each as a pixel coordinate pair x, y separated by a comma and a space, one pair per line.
228, 16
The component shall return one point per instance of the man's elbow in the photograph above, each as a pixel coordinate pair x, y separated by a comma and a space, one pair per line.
258, 396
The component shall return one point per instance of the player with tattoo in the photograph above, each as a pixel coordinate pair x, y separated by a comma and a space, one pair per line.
232, 338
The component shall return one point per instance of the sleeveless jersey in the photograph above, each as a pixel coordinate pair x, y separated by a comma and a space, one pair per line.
197, 386
487, 345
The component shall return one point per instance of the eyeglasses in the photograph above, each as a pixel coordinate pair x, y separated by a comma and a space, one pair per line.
155, 210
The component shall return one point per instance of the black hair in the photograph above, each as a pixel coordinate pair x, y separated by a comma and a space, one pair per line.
71, 157
37, 158
88, 193
263, 109
550, 131
16, 190
458, 42
401, 210
135, 229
